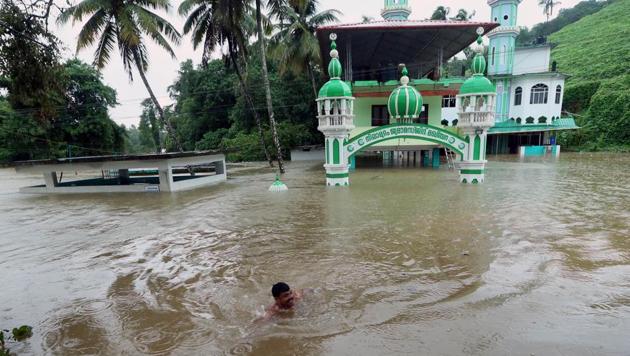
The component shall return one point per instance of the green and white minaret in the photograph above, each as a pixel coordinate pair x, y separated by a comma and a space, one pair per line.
501, 51
335, 112
396, 10
476, 114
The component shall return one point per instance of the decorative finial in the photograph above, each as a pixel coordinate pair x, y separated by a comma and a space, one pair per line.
278, 186
334, 68
404, 80
479, 62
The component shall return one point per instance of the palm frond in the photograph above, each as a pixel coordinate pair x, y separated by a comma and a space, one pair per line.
80, 10
194, 18
105, 45
91, 29
152, 23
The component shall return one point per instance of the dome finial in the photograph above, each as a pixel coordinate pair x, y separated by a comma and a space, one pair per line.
404, 80
479, 62
334, 68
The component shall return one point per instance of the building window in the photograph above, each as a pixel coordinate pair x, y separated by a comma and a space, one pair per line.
558, 94
380, 115
518, 96
539, 94
449, 101
493, 51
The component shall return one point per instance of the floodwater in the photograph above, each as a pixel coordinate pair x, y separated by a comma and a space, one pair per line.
405, 261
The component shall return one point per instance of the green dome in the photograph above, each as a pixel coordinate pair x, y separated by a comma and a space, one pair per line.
404, 102
335, 88
477, 84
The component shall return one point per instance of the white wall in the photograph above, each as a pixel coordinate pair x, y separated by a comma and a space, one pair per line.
531, 60
536, 110
449, 114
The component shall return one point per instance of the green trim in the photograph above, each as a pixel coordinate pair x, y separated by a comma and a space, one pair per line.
337, 175
399, 124
336, 158
471, 171
327, 150
477, 148
410, 137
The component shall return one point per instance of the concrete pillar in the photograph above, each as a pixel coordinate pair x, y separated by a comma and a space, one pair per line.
123, 177
51, 180
219, 167
166, 179
353, 163
436, 157
425, 158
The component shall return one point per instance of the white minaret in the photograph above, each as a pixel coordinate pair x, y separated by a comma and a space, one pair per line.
476, 112
335, 112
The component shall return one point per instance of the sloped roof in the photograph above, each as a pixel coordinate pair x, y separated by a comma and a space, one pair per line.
416, 43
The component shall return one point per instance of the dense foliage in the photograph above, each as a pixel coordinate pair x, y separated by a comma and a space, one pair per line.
565, 17
210, 112
595, 53
50, 109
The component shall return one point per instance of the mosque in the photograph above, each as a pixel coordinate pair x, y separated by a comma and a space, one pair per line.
391, 72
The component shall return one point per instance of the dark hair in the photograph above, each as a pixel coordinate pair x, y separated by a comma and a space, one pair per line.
279, 288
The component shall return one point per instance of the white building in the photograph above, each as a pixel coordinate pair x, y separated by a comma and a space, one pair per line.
529, 88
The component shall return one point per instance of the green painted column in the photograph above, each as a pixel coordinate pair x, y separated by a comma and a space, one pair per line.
436, 158
425, 158
352, 163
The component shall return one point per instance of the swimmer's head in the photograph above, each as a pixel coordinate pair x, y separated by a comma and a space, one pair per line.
283, 295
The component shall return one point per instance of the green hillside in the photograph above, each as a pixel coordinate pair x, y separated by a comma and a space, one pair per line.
595, 52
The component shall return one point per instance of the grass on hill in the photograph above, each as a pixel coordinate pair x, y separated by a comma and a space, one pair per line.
595, 52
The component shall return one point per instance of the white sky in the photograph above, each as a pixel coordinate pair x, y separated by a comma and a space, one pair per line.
163, 70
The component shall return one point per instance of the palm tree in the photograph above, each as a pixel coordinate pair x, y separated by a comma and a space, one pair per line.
462, 15
265, 73
125, 23
548, 7
440, 13
215, 23
295, 46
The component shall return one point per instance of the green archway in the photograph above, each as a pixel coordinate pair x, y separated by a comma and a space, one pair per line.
412, 131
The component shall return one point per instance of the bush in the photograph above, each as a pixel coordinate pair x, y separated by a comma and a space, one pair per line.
578, 96
454, 123
444, 122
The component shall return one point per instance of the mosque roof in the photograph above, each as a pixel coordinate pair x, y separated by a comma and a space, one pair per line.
417, 43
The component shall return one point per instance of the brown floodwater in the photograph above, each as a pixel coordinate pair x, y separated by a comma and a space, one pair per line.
405, 261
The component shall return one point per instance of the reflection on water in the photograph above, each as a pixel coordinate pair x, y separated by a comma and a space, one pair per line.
404, 261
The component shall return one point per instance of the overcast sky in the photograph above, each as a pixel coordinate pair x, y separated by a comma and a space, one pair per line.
163, 70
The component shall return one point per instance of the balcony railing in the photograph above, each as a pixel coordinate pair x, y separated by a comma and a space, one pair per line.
476, 119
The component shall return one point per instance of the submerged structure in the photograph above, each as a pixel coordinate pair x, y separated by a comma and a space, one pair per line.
167, 172
368, 65
335, 109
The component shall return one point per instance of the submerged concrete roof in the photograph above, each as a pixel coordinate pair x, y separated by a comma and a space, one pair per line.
116, 158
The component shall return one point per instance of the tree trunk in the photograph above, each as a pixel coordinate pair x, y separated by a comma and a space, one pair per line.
163, 120
265, 73
312, 75
250, 102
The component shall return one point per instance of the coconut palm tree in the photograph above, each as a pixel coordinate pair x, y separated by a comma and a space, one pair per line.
125, 24
295, 46
265, 73
547, 6
440, 13
216, 23
462, 15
